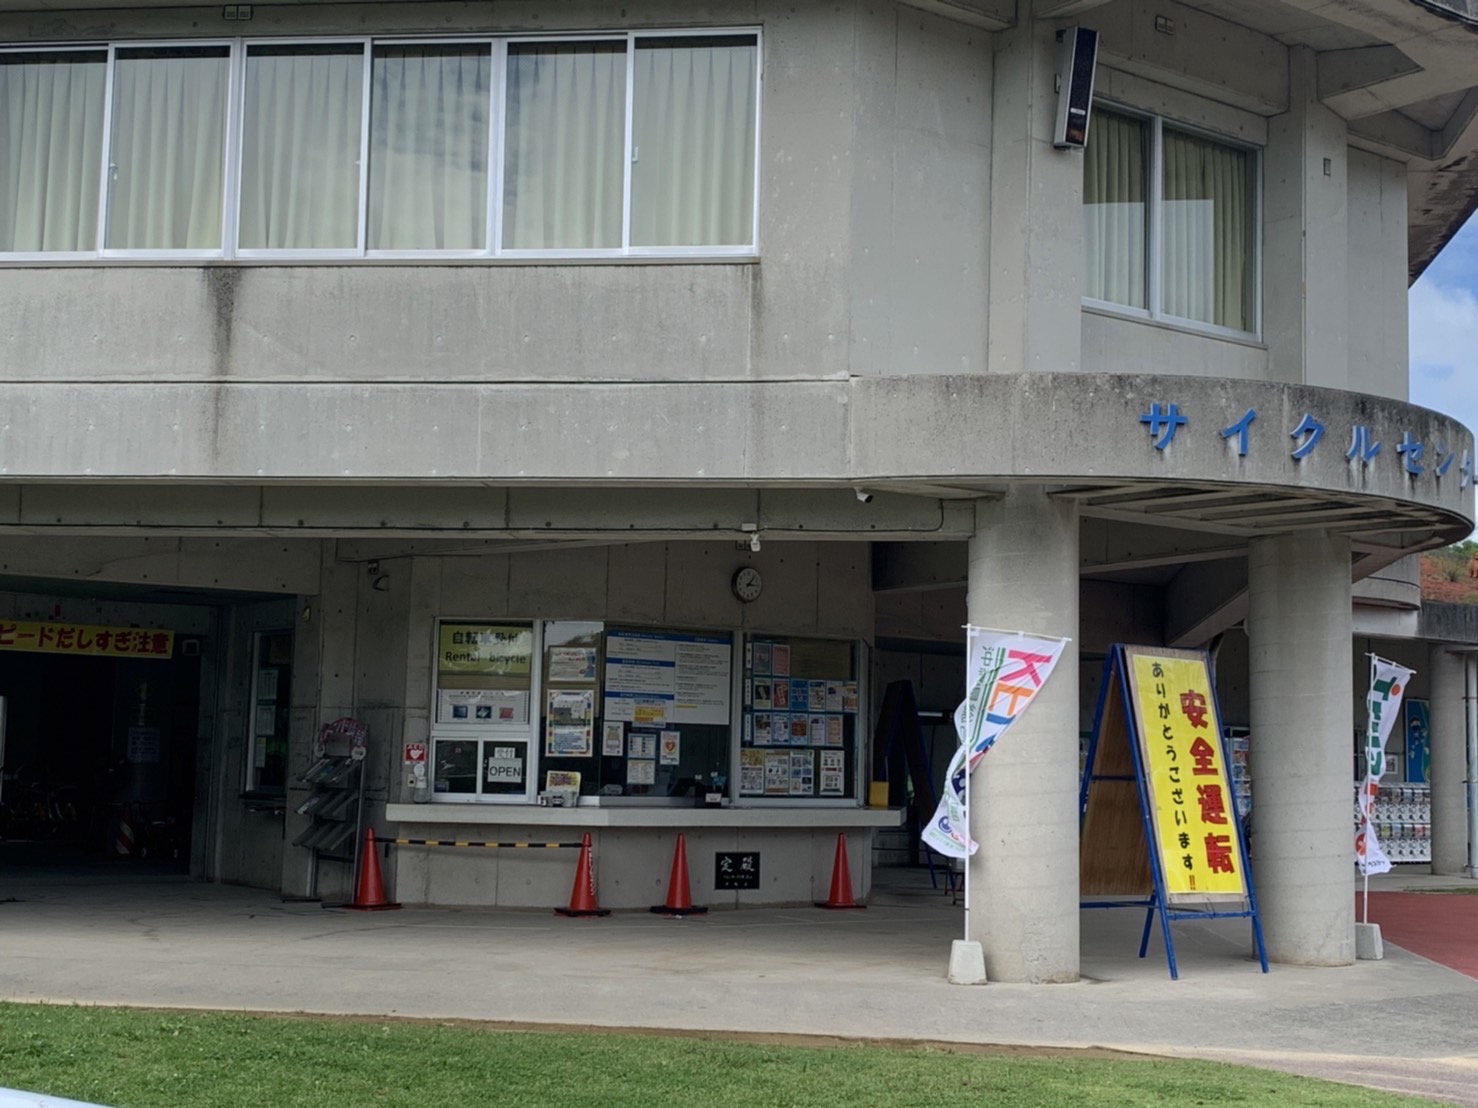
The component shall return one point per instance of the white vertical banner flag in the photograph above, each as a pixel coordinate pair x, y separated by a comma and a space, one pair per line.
1003, 671
1383, 704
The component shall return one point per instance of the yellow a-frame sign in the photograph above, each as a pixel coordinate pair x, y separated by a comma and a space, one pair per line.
1159, 820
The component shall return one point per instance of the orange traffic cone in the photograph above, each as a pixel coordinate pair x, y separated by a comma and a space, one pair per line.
679, 897
582, 896
841, 880
369, 894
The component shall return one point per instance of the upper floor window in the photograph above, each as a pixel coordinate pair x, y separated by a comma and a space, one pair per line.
1170, 223
608, 145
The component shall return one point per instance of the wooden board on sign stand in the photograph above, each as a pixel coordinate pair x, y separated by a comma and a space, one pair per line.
1156, 791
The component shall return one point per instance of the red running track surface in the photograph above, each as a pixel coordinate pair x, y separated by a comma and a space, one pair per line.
1439, 926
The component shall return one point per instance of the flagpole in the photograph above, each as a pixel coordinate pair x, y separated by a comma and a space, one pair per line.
968, 841
1365, 870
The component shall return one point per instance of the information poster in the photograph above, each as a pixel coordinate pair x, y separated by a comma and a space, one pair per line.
780, 655
751, 771
571, 664
570, 723
802, 773
777, 773
144, 745
1191, 803
641, 744
613, 739
657, 678
641, 772
833, 772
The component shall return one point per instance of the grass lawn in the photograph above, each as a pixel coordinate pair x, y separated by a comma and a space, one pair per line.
137, 1059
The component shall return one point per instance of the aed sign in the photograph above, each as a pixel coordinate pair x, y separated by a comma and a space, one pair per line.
415, 754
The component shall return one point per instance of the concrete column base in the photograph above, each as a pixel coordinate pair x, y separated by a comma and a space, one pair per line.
966, 963
1368, 945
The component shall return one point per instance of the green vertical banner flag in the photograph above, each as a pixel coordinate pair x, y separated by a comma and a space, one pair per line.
1383, 705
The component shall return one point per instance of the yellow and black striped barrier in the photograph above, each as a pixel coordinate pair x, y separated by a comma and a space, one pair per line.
483, 845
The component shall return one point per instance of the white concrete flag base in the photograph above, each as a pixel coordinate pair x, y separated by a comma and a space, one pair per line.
966, 963
1368, 945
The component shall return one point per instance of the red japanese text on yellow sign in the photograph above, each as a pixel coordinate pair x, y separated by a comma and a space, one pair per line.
74, 638
1195, 814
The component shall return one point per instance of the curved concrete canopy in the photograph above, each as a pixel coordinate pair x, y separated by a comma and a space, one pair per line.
1160, 448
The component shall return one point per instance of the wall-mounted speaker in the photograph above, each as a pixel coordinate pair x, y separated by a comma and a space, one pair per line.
1075, 87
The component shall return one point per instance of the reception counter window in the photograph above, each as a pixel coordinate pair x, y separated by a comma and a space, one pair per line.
623, 715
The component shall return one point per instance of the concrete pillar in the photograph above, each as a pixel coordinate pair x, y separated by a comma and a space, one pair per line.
1449, 766
1305, 198
1302, 691
1024, 796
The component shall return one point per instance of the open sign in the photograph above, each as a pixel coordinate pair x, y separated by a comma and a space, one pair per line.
507, 768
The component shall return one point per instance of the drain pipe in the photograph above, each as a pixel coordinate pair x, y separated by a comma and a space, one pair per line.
1470, 703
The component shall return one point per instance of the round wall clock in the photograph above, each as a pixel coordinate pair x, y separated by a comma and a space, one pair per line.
747, 583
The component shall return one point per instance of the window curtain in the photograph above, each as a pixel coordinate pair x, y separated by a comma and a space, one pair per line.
693, 129
51, 143
1208, 232
1115, 204
428, 186
301, 148
564, 145
167, 154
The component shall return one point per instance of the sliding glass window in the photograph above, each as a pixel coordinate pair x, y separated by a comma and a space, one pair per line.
608, 144
564, 146
692, 133
166, 167
428, 185
51, 144
1115, 207
1170, 223
300, 147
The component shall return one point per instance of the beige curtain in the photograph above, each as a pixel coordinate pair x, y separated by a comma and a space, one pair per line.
1209, 248
1115, 205
564, 146
693, 129
168, 149
428, 185
51, 142
300, 147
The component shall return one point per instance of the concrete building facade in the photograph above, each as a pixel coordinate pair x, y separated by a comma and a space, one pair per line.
530, 327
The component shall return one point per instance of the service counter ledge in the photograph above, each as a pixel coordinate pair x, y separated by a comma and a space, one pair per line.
533, 815
633, 851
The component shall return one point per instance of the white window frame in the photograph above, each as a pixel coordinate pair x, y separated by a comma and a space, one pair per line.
492, 250
1154, 231
103, 250
233, 216
483, 733
78, 48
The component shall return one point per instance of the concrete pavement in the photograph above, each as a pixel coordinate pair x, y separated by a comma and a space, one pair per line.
1405, 1024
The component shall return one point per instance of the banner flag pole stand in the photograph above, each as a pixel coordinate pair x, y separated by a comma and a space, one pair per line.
1116, 868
